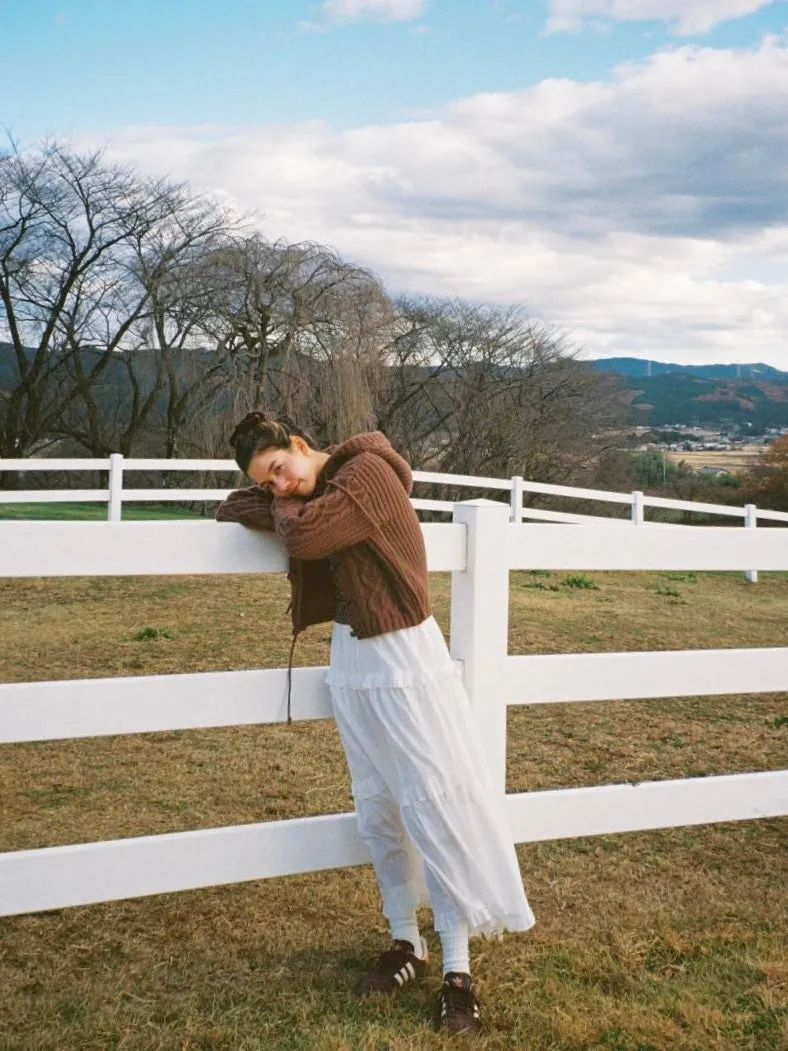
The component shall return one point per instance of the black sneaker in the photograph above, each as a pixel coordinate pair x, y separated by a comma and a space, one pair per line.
394, 968
458, 1008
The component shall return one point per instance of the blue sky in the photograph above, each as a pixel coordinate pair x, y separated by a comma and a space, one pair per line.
623, 175
97, 64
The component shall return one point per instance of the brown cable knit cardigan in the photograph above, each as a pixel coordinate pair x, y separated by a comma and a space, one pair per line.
356, 543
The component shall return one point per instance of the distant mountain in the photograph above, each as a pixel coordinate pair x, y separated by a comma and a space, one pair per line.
698, 395
751, 397
641, 367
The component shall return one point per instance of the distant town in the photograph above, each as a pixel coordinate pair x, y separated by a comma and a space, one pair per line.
709, 451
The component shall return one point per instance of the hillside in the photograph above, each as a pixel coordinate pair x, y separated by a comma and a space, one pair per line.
640, 367
703, 395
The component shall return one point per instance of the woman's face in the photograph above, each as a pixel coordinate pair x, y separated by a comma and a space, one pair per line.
285, 472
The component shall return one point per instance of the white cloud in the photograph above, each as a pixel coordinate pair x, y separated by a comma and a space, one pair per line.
643, 216
687, 17
341, 12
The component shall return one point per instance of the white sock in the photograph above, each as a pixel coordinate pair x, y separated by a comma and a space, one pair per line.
407, 930
454, 943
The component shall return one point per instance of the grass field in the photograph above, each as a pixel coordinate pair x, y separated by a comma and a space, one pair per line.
735, 461
89, 512
644, 942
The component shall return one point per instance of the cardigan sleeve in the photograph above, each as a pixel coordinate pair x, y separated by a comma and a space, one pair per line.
251, 507
355, 504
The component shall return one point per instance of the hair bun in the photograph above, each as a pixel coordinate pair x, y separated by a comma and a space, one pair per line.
250, 421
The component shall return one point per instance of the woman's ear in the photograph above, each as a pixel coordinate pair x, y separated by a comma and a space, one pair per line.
298, 445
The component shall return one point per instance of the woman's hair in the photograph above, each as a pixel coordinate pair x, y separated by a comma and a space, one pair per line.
260, 430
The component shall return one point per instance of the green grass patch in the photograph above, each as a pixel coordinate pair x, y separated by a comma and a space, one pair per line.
539, 580
150, 634
580, 581
91, 512
682, 578
667, 592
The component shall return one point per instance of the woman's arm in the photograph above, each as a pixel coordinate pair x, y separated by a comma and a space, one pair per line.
251, 507
353, 507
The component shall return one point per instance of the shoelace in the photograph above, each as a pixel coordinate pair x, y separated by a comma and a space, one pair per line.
458, 998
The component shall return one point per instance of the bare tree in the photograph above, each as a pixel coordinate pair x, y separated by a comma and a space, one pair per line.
76, 235
767, 481
183, 287
412, 404
301, 329
479, 389
140, 317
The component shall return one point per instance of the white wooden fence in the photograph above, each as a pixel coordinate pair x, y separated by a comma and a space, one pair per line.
479, 547
117, 494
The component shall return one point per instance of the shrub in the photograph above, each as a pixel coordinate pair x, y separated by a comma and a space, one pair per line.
148, 634
580, 580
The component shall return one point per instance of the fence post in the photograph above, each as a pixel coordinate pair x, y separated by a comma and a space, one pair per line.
480, 625
751, 522
516, 515
115, 502
638, 514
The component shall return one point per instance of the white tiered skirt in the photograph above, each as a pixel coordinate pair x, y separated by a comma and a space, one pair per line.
436, 833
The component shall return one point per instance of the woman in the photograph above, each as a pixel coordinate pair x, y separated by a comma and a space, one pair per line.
424, 807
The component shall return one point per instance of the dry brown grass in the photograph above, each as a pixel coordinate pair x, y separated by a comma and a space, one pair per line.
644, 942
736, 460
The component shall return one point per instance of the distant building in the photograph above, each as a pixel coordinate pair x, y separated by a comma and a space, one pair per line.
713, 472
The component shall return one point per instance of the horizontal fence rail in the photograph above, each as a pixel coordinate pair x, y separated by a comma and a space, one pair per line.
43, 549
710, 548
562, 677
118, 494
45, 711
87, 873
479, 548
